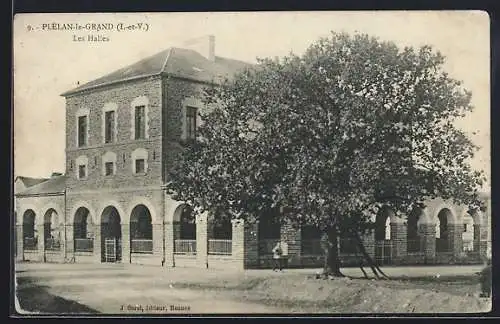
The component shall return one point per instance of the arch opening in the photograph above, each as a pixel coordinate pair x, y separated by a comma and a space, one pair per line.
52, 230
30, 235
111, 235
468, 233
220, 235
383, 224
442, 236
141, 230
83, 231
269, 231
383, 243
413, 237
310, 240
184, 230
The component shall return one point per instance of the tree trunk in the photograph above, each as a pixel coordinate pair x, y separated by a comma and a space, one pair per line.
374, 267
332, 260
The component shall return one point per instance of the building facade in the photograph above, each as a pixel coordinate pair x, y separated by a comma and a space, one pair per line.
111, 204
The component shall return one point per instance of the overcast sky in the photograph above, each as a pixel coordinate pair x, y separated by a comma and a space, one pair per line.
49, 62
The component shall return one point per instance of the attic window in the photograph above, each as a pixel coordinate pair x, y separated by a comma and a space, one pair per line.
197, 69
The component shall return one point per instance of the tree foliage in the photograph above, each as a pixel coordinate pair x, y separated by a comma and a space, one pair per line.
330, 136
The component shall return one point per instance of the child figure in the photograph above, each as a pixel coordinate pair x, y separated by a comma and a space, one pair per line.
277, 252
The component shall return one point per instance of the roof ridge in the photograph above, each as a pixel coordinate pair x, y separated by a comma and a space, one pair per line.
162, 70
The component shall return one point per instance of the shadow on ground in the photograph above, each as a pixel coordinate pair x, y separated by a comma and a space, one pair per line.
37, 299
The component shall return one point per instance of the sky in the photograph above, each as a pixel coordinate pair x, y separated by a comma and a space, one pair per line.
48, 62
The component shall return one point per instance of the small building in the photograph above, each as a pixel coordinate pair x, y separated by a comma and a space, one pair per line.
111, 204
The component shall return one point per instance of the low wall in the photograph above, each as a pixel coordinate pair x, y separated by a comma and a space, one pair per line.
187, 261
33, 256
85, 257
224, 262
54, 257
143, 258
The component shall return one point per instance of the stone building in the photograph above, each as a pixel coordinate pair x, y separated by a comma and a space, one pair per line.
111, 204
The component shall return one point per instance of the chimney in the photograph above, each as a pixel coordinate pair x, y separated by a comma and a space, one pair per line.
204, 45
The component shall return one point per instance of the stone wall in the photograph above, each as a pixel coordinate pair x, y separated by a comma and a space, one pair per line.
122, 96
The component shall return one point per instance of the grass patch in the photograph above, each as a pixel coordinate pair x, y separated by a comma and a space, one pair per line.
38, 300
301, 293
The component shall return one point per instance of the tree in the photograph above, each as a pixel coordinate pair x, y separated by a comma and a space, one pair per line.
329, 137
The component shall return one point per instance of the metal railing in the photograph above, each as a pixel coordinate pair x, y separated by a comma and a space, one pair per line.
469, 246
30, 244
348, 246
311, 247
414, 246
442, 245
220, 247
383, 251
266, 246
84, 245
52, 244
141, 246
184, 246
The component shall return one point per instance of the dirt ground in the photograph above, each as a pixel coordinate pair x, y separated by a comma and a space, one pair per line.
124, 289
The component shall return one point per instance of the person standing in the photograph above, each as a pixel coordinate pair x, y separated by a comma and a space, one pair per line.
284, 254
277, 253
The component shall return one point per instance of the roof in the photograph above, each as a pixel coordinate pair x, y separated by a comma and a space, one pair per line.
53, 185
177, 62
29, 182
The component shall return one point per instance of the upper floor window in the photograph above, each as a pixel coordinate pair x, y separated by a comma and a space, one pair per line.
82, 127
139, 166
140, 122
109, 164
82, 171
82, 131
109, 168
191, 116
140, 161
109, 123
139, 116
109, 126
82, 167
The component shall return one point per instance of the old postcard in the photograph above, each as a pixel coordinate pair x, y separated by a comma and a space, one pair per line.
256, 162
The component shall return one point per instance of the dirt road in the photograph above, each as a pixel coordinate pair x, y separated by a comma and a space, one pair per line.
125, 289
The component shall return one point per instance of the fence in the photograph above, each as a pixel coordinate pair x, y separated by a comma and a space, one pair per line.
348, 246
185, 247
414, 246
383, 252
266, 246
311, 247
52, 244
30, 244
442, 245
141, 246
84, 245
220, 247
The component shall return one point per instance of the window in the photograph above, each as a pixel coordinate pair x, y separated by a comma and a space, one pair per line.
139, 166
140, 122
139, 161
191, 113
465, 228
109, 126
82, 171
81, 164
82, 131
139, 118
109, 168
108, 164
